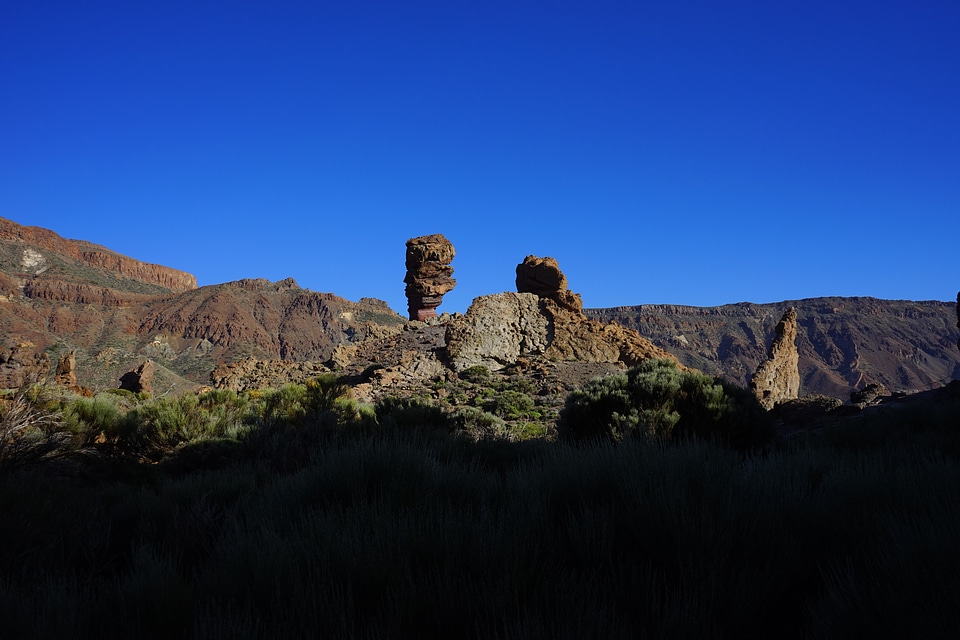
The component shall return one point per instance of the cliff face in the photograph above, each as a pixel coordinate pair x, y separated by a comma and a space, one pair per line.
36, 242
843, 343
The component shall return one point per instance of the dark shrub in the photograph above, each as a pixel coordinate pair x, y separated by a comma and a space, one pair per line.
657, 400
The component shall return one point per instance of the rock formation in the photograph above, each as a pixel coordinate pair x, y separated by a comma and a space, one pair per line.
542, 277
497, 330
500, 329
777, 379
958, 316
429, 274
868, 395
20, 365
67, 370
140, 379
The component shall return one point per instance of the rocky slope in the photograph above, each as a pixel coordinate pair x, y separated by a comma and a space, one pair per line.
59, 296
843, 343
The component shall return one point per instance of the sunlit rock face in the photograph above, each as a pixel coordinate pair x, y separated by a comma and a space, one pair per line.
777, 379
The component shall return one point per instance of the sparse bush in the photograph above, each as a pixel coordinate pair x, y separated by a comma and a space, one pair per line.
411, 413
656, 400
477, 424
29, 431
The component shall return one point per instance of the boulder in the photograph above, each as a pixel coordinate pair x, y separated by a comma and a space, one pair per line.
497, 330
542, 277
777, 379
429, 274
869, 394
138, 380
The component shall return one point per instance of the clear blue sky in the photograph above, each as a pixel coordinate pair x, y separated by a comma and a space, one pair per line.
664, 152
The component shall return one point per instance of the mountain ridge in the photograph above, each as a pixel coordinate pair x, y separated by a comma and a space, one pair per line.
59, 295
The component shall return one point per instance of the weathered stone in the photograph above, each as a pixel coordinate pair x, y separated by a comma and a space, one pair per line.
20, 365
497, 330
67, 370
429, 274
777, 379
138, 380
868, 394
542, 277
251, 373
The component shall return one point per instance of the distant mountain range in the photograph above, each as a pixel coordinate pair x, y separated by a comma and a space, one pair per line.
113, 312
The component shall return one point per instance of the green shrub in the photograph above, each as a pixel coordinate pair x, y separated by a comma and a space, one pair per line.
477, 373
477, 424
658, 401
510, 404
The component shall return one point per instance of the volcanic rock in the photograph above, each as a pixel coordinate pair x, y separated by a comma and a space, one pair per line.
429, 274
21, 365
542, 277
67, 370
140, 379
778, 377
869, 394
498, 330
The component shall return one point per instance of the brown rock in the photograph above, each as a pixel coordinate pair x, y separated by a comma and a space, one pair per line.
21, 365
777, 379
139, 380
499, 330
542, 277
429, 274
67, 370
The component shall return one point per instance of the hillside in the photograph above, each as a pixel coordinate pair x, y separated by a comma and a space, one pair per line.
59, 295
844, 343
114, 312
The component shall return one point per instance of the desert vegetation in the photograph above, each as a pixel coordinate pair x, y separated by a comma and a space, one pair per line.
298, 512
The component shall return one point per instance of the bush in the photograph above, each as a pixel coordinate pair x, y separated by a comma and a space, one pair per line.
29, 431
477, 373
658, 401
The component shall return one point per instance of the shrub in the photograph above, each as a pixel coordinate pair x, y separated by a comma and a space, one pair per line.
29, 431
658, 401
477, 373
510, 404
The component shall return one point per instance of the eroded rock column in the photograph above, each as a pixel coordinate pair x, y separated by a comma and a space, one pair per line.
778, 377
429, 274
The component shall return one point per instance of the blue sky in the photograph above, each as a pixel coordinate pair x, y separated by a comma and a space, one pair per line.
664, 152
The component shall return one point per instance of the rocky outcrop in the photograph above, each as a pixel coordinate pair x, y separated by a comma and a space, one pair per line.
777, 379
498, 330
20, 364
33, 261
139, 380
251, 373
80, 293
542, 277
67, 370
870, 394
429, 274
